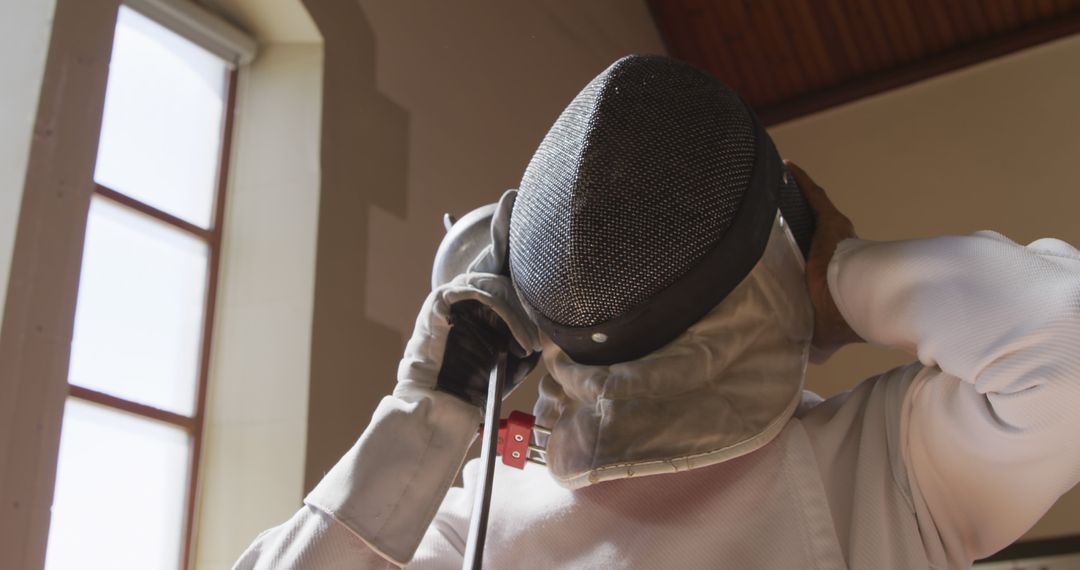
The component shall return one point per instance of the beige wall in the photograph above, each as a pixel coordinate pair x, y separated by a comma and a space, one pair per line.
25, 30
430, 107
993, 146
256, 410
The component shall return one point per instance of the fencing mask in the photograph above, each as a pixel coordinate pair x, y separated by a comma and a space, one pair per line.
650, 199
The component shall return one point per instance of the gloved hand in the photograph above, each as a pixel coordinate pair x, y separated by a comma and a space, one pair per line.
831, 331
459, 332
387, 488
465, 323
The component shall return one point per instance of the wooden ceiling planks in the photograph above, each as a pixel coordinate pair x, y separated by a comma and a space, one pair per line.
792, 57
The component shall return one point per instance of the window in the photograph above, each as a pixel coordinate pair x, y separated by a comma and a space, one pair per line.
129, 446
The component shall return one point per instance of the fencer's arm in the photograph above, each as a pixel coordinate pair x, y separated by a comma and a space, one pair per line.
372, 509
989, 427
378, 503
310, 539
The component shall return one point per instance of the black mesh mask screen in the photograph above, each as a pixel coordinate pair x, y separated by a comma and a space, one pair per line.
638, 181
639, 177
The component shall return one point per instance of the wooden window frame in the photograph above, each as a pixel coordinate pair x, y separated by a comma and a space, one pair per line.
49, 238
211, 236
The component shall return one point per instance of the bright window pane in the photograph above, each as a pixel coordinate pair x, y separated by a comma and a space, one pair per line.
138, 322
161, 131
121, 483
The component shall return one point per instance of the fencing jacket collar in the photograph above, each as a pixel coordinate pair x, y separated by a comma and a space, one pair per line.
724, 388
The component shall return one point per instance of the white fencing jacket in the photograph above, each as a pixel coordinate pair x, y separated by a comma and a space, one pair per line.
930, 465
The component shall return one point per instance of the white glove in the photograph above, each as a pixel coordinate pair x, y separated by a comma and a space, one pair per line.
388, 487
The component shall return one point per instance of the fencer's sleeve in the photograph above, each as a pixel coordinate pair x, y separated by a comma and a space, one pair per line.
376, 504
989, 427
310, 539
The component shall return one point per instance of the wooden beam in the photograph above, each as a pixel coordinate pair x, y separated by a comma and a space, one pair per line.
124, 199
186, 423
894, 78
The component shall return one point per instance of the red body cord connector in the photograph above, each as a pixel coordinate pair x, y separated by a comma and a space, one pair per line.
516, 443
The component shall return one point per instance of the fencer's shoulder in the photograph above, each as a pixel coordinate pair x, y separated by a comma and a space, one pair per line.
874, 403
858, 432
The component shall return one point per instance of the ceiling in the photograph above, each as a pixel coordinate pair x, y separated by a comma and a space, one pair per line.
788, 58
